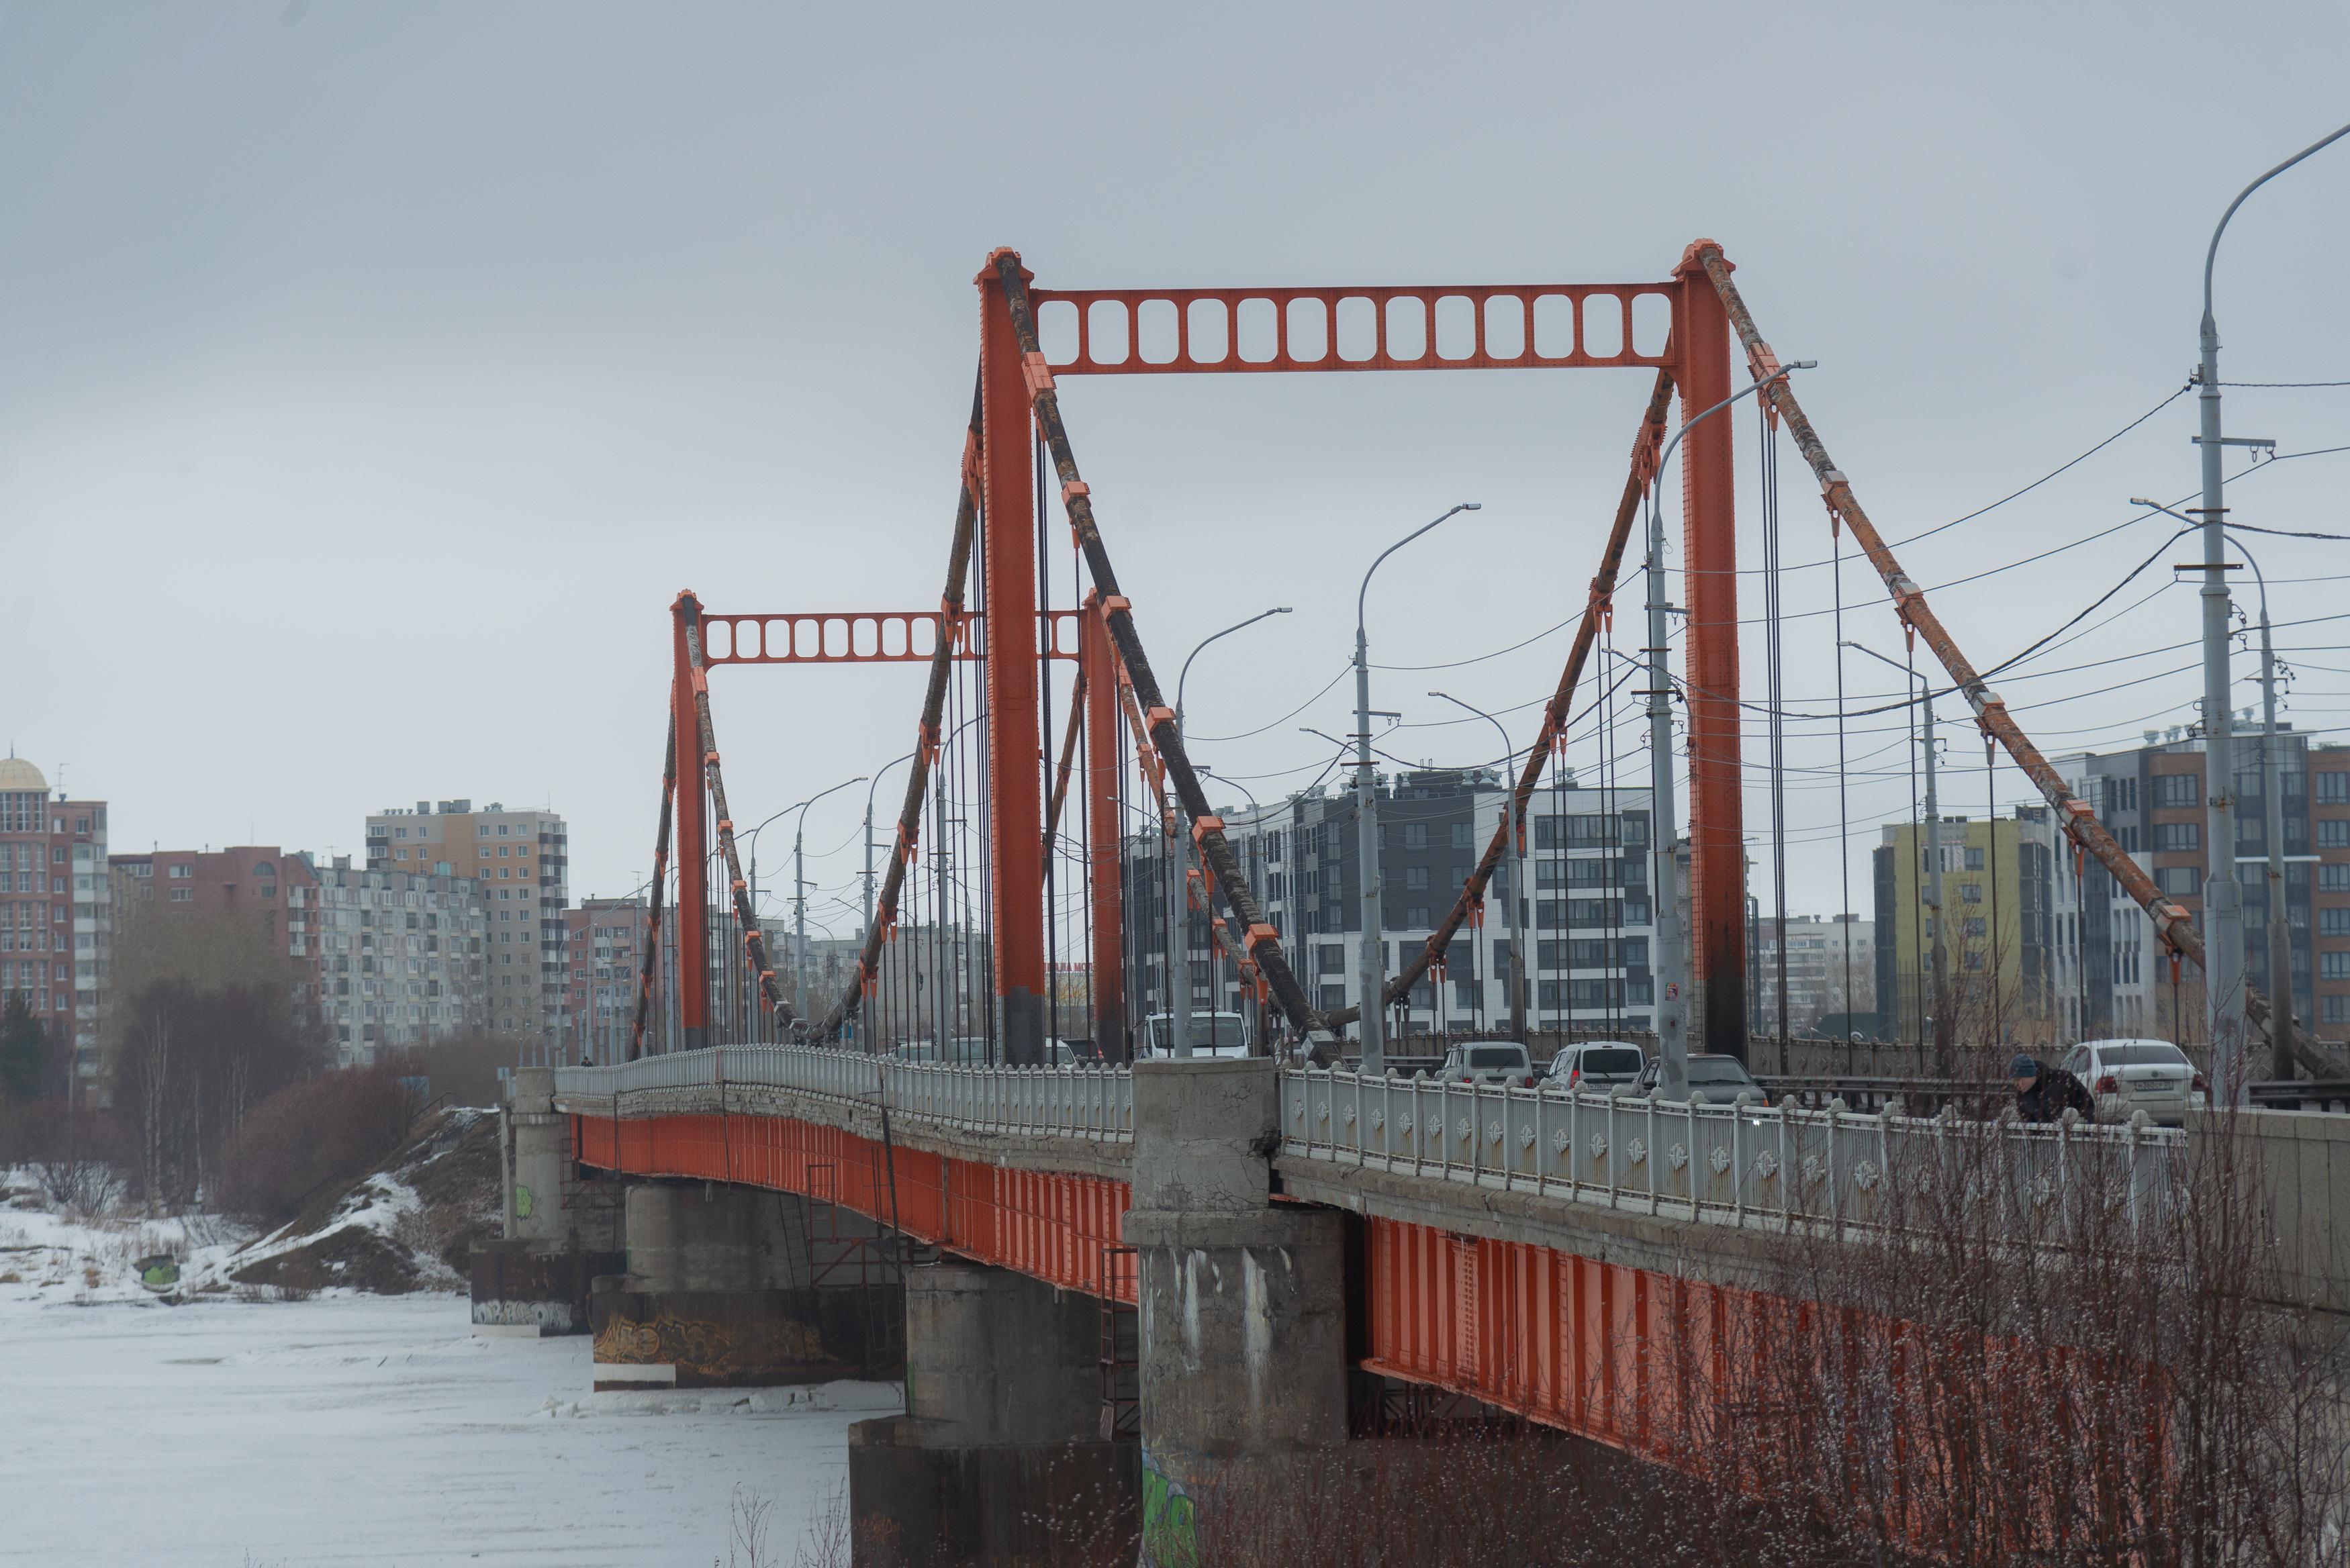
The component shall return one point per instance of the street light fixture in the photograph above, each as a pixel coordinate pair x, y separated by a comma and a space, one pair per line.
1672, 1034
2272, 822
1517, 980
1178, 871
1371, 960
1943, 1023
799, 890
2223, 913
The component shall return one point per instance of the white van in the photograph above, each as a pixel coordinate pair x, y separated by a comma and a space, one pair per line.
1212, 1034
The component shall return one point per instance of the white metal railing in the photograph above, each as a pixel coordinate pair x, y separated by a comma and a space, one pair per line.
1089, 1102
1752, 1164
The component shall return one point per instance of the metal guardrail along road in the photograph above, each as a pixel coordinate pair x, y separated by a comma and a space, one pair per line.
1091, 1103
1751, 1164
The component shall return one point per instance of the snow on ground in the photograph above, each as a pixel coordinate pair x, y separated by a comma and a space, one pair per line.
354, 1429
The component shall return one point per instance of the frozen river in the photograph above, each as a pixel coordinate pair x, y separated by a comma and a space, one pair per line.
377, 1430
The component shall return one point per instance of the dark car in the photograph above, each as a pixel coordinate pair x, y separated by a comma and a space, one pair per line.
1713, 1080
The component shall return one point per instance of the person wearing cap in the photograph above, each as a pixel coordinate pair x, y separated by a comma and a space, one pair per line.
2042, 1094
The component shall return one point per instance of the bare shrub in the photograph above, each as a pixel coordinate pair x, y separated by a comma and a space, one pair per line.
301, 1139
77, 1155
190, 1064
462, 1070
2016, 1369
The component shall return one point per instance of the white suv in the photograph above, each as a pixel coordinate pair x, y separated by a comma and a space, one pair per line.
1596, 1063
1488, 1061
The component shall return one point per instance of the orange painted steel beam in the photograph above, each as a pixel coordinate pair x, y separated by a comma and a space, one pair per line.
1014, 729
692, 846
1473, 326
863, 637
1053, 1226
1098, 668
1717, 836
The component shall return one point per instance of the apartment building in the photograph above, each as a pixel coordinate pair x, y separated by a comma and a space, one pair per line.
258, 880
1586, 911
2154, 797
604, 946
57, 924
1830, 973
403, 957
519, 864
1997, 924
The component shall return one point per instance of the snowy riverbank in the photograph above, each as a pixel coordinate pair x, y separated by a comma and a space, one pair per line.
355, 1429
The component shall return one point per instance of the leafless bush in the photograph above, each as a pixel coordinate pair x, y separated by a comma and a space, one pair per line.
190, 1064
302, 1138
462, 1070
76, 1154
2020, 1370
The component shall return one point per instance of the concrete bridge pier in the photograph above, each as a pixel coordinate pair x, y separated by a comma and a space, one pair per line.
729, 1287
999, 1456
1242, 1301
563, 1226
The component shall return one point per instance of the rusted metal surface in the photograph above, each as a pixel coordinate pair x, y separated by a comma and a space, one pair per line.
865, 636
1214, 849
1068, 759
1014, 733
918, 772
2171, 921
1596, 610
692, 850
1709, 683
1106, 832
651, 964
1469, 327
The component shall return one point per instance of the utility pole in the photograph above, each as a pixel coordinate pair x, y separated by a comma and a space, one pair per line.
1943, 1030
2223, 913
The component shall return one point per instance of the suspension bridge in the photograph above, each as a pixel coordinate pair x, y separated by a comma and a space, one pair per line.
1212, 1252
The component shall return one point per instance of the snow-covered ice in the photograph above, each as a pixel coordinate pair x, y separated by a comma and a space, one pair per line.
352, 1429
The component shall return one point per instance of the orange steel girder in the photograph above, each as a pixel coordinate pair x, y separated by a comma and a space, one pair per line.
692, 841
1096, 666
1014, 728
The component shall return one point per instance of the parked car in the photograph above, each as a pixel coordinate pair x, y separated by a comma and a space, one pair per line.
2126, 1076
1596, 1063
1714, 1080
1212, 1034
1488, 1061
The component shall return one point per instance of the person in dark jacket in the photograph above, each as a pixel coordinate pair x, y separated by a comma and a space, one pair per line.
2042, 1094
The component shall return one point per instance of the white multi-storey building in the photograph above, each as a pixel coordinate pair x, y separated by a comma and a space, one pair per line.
401, 957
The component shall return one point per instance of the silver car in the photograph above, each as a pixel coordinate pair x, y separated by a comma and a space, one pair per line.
1488, 1061
1596, 1063
2125, 1076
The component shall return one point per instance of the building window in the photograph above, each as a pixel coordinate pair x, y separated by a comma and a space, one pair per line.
1415, 879
2333, 835
2177, 789
2333, 788
1415, 835
1975, 928
1415, 918
2333, 1009
2334, 966
1971, 893
2188, 835
2333, 922
2186, 882
1461, 836
1974, 860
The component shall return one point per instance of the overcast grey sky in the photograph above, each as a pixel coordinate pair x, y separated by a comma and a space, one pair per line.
372, 376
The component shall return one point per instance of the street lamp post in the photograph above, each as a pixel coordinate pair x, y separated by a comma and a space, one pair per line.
2223, 913
1178, 872
1672, 969
1517, 977
799, 891
1371, 960
1943, 1023
2279, 938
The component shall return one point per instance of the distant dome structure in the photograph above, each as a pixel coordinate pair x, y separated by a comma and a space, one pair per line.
16, 773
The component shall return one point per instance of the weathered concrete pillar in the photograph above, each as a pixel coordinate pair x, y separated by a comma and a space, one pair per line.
999, 1454
562, 1226
723, 1290
1242, 1302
